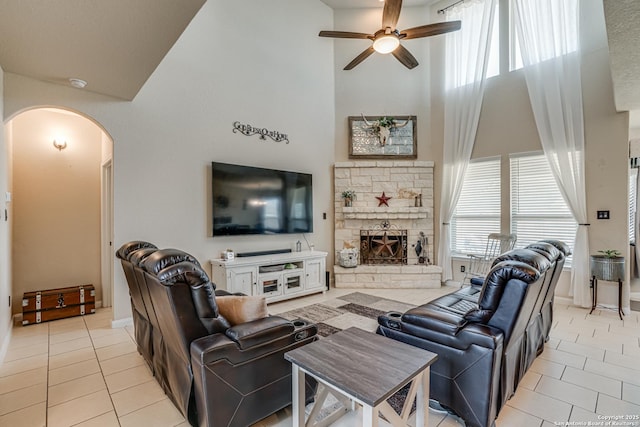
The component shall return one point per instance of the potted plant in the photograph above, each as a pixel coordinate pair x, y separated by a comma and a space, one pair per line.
348, 196
609, 265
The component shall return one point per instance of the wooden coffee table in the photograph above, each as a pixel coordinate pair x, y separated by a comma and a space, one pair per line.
366, 368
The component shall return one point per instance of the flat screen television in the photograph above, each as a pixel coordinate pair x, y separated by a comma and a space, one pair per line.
250, 200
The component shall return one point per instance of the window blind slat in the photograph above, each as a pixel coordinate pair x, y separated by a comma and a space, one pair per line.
633, 173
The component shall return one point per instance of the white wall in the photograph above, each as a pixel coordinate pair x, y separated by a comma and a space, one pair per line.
5, 237
243, 61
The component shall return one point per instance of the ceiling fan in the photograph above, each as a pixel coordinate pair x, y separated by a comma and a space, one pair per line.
387, 39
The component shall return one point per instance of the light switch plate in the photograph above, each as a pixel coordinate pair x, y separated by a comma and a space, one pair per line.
603, 214
7, 196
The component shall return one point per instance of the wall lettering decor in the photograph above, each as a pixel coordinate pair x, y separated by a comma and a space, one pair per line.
247, 129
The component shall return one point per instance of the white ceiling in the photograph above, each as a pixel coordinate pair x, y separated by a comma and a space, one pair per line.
623, 32
115, 45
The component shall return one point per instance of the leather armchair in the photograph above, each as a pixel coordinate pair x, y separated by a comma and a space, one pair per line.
215, 374
480, 334
141, 323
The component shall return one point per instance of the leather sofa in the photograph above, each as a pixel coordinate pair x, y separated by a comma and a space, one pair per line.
486, 337
215, 374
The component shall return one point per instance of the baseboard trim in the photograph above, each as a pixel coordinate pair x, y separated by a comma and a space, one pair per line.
121, 323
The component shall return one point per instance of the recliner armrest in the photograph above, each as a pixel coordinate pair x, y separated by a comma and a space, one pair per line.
260, 331
429, 316
271, 334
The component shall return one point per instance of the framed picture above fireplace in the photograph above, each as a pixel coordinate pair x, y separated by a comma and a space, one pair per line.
383, 137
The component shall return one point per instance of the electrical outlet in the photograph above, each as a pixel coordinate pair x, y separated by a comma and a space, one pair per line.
603, 214
462, 269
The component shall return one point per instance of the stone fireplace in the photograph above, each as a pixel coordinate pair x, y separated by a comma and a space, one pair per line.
387, 236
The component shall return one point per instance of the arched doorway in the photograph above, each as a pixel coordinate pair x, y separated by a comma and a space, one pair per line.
61, 209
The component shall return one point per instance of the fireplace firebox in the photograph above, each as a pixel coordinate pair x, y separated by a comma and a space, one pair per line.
383, 244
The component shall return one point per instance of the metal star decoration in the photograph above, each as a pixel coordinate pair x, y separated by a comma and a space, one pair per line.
383, 200
385, 244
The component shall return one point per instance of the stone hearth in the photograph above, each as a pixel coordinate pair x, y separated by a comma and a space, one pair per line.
406, 183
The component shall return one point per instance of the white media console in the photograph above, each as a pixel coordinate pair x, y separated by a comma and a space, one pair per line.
277, 276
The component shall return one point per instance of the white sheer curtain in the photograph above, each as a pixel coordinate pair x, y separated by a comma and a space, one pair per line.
467, 53
548, 32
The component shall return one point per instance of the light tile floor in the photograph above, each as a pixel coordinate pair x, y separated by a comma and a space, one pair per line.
81, 372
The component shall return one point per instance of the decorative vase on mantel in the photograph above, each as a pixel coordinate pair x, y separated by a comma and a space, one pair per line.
349, 196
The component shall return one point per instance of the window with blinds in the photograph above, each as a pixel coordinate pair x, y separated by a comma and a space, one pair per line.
538, 210
633, 180
478, 211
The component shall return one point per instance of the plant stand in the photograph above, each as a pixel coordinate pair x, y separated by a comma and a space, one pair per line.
607, 269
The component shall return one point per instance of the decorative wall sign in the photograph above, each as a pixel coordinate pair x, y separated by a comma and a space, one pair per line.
247, 129
365, 141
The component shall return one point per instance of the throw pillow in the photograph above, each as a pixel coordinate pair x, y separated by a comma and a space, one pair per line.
242, 309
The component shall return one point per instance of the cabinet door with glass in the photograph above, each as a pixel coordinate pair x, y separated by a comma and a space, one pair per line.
293, 282
270, 285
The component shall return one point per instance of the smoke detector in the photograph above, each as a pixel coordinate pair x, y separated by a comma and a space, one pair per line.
77, 83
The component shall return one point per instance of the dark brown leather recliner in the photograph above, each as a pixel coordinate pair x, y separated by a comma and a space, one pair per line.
479, 335
216, 375
143, 329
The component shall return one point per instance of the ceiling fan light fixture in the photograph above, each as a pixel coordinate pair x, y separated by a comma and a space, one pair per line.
386, 43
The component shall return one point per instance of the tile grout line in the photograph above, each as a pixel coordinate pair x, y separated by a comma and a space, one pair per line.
101, 373
46, 402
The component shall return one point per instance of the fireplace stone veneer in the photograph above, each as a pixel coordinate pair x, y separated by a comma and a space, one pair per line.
404, 182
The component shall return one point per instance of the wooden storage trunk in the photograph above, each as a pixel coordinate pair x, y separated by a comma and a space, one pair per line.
52, 304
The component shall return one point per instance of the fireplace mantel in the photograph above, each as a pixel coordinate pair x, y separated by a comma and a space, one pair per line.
386, 213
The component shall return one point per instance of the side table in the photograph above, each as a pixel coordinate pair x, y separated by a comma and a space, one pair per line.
366, 368
608, 268
594, 295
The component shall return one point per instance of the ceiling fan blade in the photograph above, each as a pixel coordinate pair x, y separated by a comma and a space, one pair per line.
358, 59
403, 55
430, 30
391, 13
345, 35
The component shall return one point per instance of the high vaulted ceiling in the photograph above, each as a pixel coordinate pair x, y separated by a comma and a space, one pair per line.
623, 33
115, 45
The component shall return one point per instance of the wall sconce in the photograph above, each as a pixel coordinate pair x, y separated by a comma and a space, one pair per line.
60, 146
